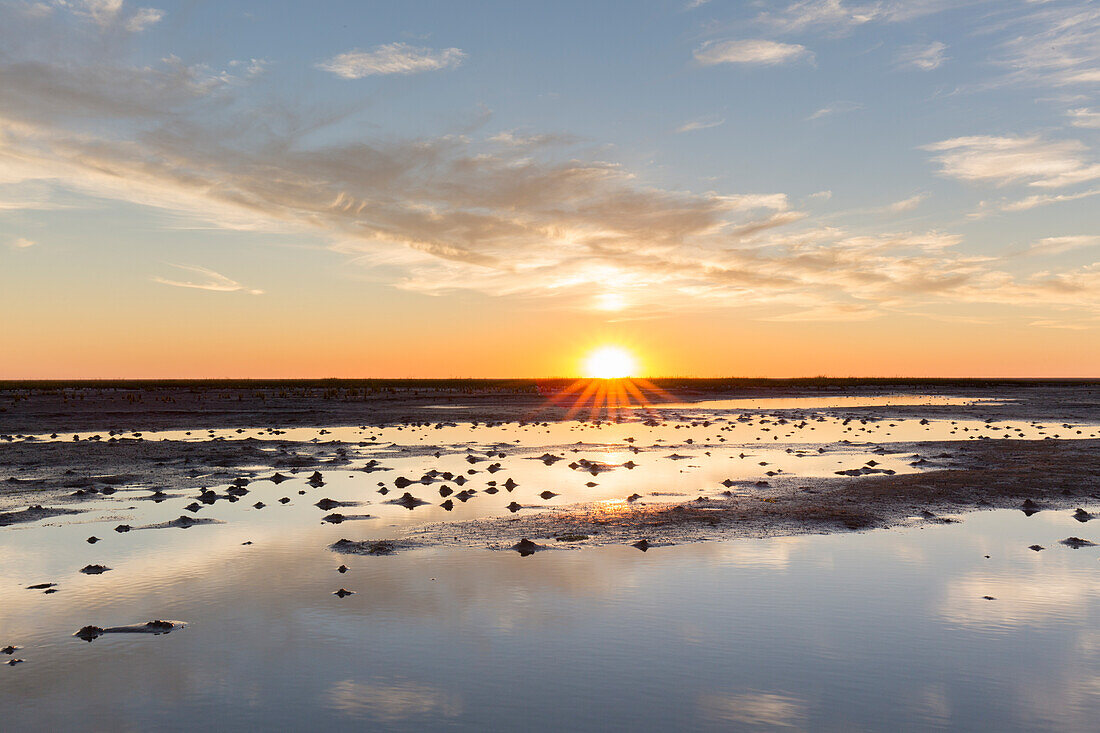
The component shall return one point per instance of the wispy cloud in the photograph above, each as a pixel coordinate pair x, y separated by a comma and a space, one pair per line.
1084, 117
1002, 160
1057, 43
214, 281
1031, 202
21, 243
922, 57
1066, 325
835, 108
392, 58
112, 13
838, 16
754, 51
908, 204
703, 123
523, 214
1058, 245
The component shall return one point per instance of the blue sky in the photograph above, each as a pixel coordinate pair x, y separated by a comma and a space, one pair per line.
629, 170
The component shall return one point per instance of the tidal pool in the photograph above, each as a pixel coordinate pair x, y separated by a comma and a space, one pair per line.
957, 625
885, 630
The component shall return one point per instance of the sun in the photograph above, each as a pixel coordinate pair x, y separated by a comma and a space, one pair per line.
609, 362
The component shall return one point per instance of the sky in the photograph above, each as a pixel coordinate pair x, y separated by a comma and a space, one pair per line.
442, 189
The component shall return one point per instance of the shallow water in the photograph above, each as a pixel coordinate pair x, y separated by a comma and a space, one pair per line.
883, 630
880, 630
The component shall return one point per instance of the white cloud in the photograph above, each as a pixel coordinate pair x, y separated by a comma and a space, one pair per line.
749, 51
834, 109
1058, 245
113, 13
700, 124
143, 18
1002, 160
1031, 202
1056, 44
520, 214
22, 243
921, 57
839, 16
908, 204
214, 281
1084, 117
392, 58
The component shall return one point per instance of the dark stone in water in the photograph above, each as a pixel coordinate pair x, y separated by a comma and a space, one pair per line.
94, 569
642, 544
92, 540
514, 507
1077, 543
90, 633
547, 494
342, 569
526, 547
408, 501
1082, 516
1037, 548
343, 592
123, 528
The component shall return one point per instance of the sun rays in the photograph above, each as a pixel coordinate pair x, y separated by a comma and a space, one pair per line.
610, 387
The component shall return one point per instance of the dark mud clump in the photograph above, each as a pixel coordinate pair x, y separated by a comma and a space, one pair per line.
371, 547
156, 628
327, 504
526, 547
338, 518
408, 501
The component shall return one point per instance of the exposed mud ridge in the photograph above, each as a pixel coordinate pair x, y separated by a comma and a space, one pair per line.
1027, 475
76, 406
32, 513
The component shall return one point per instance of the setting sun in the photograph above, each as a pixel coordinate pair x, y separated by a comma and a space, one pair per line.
609, 362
